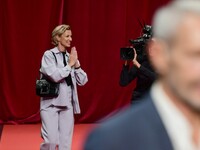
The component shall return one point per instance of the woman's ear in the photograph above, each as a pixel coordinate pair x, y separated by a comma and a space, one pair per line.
58, 38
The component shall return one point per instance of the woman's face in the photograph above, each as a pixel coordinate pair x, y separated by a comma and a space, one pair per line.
65, 39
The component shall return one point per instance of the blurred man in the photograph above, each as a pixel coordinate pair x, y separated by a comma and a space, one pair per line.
169, 116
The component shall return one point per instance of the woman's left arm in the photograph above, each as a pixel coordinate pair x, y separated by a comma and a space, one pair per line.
80, 75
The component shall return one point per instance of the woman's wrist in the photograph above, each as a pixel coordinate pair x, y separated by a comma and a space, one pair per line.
137, 64
78, 67
77, 64
71, 65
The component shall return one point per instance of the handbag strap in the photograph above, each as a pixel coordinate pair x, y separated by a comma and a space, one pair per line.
54, 56
55, 60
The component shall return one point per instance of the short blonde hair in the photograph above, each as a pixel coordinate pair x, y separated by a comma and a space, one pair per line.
58, 31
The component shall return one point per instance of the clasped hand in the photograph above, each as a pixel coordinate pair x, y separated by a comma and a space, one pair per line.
73, 58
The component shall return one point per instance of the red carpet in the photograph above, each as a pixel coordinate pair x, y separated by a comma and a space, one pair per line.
27, 137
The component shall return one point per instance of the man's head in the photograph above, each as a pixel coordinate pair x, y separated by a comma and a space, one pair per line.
176, 50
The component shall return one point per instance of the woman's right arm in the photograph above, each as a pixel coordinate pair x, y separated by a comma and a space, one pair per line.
127, 75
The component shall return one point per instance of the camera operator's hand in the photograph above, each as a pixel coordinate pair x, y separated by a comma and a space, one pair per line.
135, 62
73, 57
127, 62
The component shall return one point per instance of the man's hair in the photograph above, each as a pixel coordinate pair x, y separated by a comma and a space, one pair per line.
168, 18
58, 31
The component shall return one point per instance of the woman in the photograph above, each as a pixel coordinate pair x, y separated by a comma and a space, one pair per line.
144, 73
57, 112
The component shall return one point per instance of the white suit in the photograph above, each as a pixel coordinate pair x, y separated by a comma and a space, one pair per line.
57, 113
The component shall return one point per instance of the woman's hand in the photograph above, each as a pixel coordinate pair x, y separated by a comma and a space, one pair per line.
135, 62
77, 64
73, 57
127, 62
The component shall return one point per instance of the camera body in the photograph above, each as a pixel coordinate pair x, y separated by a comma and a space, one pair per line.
139, 44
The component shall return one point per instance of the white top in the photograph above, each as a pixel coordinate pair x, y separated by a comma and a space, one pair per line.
57, 72
177, 126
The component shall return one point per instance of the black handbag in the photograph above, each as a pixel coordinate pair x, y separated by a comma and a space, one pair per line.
45, 87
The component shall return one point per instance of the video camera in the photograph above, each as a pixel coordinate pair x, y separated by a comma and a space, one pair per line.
139, 44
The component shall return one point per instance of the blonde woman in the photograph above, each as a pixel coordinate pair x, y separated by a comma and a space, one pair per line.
57, 113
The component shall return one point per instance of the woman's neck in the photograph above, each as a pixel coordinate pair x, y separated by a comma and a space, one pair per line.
61, 48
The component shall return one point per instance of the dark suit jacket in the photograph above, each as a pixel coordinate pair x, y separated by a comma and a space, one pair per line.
138, 128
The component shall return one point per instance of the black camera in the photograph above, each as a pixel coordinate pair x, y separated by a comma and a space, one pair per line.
139, 44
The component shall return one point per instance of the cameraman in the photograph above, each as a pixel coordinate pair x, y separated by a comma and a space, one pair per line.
143, 71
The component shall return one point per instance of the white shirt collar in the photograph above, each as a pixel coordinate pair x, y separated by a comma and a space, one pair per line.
177, 126
56, 50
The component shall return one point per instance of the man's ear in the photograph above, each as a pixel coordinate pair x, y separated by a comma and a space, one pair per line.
159, 56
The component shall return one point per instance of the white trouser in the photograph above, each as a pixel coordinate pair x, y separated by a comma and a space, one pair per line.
57, 128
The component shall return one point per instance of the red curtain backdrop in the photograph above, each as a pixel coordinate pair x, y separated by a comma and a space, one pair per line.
99, 27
